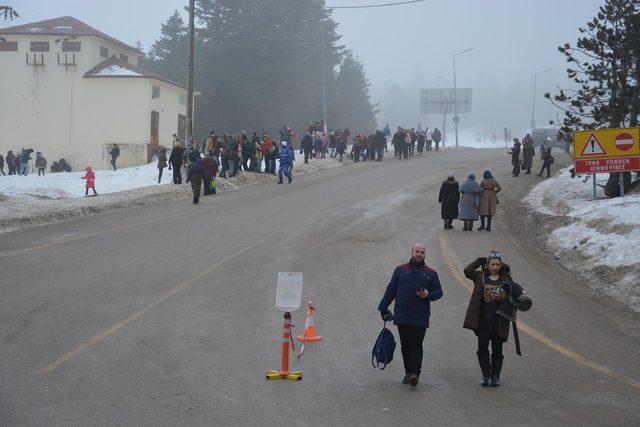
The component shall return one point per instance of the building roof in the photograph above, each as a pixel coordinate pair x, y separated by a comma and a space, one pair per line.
115, 67
63, 26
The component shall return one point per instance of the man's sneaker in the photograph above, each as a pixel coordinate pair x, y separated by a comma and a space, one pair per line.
405, 380
413, 380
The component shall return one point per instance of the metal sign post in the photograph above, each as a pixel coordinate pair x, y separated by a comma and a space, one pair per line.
444, 101
288, 299
594, 186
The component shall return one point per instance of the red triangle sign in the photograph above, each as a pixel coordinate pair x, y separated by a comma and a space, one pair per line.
593, 147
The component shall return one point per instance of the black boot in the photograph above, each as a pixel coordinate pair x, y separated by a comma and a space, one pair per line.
485, 367
496, 367
481, 224
470, 225
446, 224
466, 225
450, 224
489, 223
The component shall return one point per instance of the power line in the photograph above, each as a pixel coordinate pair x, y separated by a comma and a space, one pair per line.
376, 5
369, 6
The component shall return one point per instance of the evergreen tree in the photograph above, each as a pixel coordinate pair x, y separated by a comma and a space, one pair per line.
605, 65
354, 106
258, 64
169, 54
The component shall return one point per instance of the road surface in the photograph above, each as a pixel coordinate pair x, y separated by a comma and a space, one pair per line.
164, 315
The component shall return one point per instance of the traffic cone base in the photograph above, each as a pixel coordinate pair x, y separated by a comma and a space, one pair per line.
278, 375
315, 338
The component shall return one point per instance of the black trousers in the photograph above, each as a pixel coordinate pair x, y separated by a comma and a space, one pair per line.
411, 338
484, 336
177, 176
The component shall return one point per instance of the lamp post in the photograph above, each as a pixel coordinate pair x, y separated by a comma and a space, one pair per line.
324, 80
533, 108
456, 119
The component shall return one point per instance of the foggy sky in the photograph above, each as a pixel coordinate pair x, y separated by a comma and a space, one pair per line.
406, 48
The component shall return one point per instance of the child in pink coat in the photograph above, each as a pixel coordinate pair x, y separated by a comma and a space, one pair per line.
90, 177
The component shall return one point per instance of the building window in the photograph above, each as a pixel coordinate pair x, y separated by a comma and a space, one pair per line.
71, 46
124, 58
182, 99
155, 91
8, 46
104, 52
39, 46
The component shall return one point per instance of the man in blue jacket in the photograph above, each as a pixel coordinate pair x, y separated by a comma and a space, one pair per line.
286, 162
413, 286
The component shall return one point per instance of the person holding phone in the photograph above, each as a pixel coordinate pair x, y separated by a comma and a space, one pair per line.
413, 286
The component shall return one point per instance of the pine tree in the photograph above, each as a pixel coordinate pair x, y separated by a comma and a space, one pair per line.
168, 55
354, 106
605, 65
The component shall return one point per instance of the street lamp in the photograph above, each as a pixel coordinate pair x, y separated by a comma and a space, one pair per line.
533, 109
456, 119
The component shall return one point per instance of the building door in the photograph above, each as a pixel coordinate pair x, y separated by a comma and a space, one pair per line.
182, 126
155, 124
153, 141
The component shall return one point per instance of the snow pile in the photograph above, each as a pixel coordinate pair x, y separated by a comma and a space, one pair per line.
601, 237
33, 200
65, 185
116, 70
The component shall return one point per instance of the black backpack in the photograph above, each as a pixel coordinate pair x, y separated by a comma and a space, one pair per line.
383, 349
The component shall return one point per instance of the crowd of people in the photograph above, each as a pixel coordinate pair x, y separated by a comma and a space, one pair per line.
528, 151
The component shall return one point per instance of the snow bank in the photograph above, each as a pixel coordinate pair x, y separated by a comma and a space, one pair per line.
601, 236
34, 200
71, 185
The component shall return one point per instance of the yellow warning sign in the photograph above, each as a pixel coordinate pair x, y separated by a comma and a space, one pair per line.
606, 143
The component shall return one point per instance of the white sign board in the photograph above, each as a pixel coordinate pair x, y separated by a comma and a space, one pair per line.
289, 291
441, 101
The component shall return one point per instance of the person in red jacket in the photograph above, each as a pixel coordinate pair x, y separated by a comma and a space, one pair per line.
90, 177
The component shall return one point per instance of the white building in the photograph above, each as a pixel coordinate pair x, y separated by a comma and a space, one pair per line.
70, 91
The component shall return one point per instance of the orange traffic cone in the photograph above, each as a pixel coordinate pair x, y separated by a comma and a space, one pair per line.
310, 333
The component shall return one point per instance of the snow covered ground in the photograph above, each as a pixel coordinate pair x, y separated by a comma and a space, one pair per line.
477, 138
32, 200
599, 238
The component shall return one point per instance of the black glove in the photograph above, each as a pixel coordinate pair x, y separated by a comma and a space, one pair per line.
387, 316
482, 260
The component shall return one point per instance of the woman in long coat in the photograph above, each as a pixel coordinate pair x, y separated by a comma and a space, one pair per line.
469, 202
493, 293
449, 198
488, 200
528, 152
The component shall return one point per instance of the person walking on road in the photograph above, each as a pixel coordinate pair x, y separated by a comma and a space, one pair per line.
449, 198
515, 157
469, 202
547, 158
493, 298
413, 286
286, 162
175, 162
488, 200
528, 152
437, 136
195, 177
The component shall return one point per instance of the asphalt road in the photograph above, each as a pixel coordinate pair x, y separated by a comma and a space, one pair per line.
164, 315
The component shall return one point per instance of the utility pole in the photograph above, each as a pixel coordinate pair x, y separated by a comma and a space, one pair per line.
324, 81
456, 119
189, 138
533, 108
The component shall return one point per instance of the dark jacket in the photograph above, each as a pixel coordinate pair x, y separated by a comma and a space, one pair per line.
410, 309
306, 143
472, 318
176, 156
449, 197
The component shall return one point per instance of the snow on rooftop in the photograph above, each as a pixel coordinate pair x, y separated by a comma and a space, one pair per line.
36, 29
116, 70
62, 27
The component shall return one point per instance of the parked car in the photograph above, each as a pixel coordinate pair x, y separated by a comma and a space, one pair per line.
539, 135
